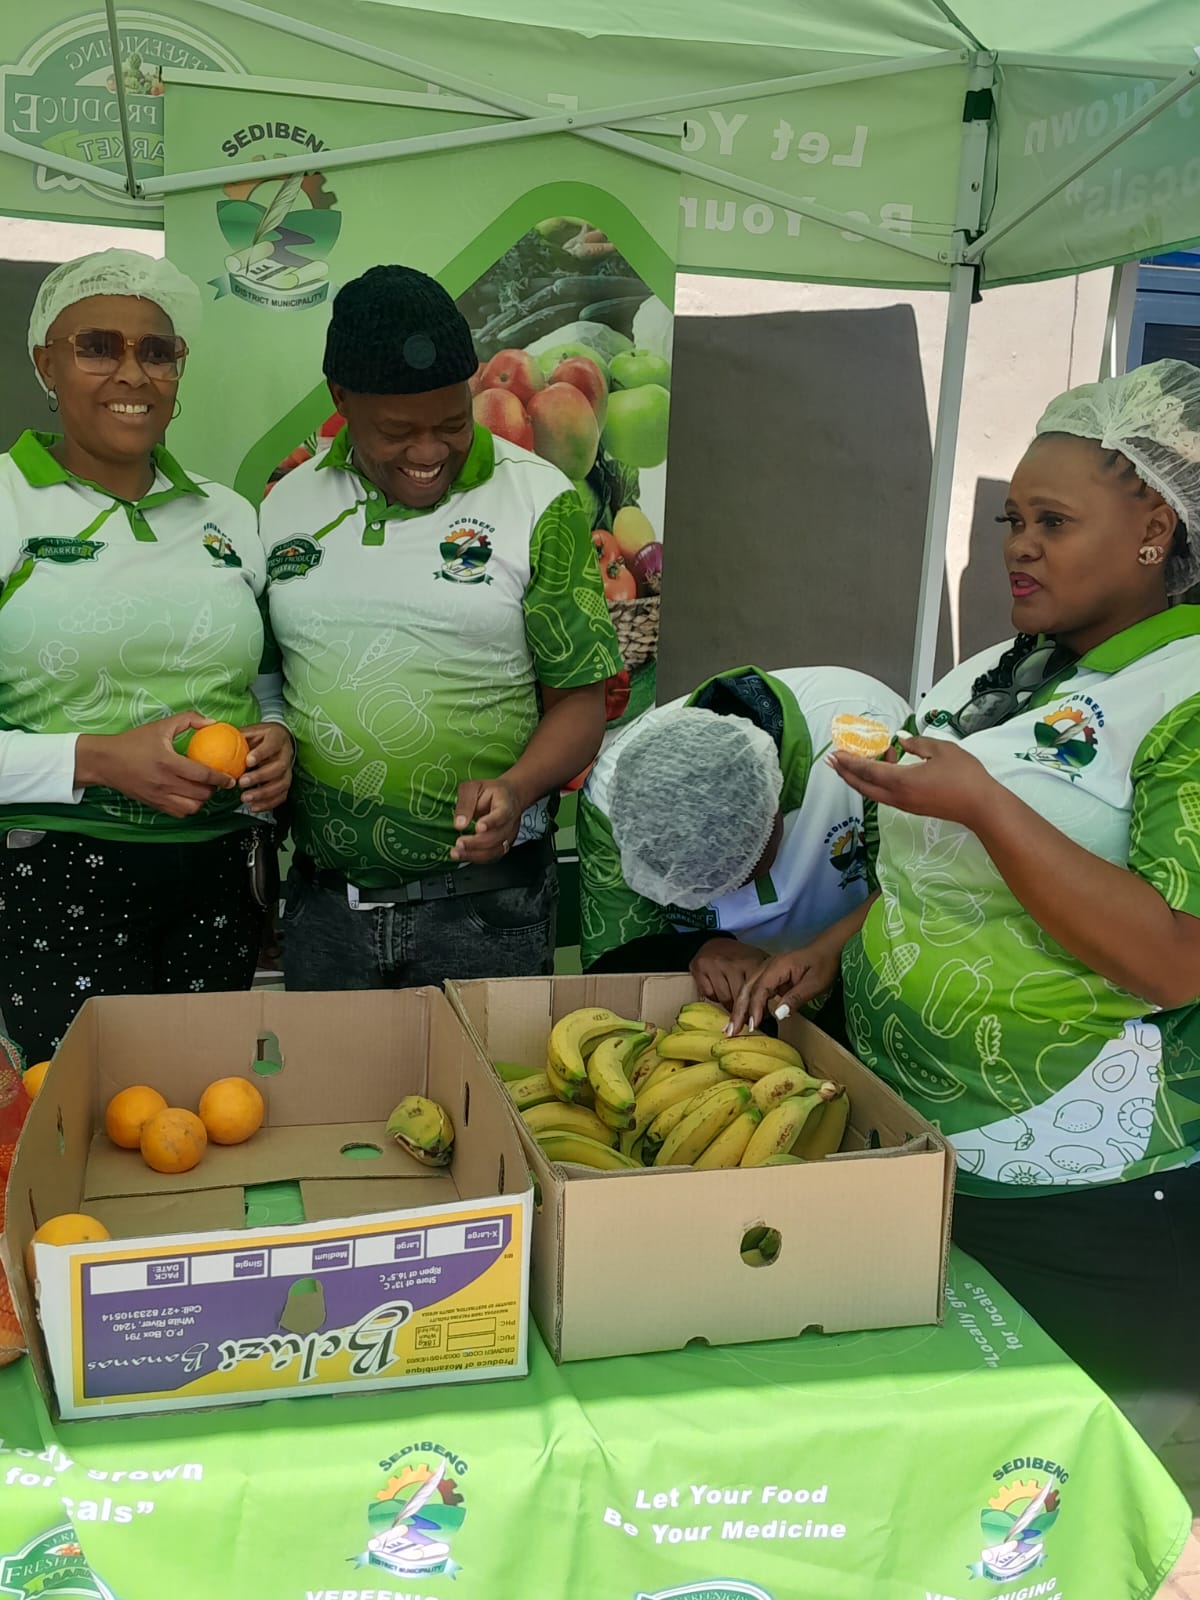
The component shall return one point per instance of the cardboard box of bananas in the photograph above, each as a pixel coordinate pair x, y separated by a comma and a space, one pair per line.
617, 1095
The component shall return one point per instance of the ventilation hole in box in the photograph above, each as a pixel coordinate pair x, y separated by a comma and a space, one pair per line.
33, 1212
361, 1152
500, 1177
62, 1138
537, 1193
698, 1343
466, 1104
874, 1142
761, 1245
268, 1057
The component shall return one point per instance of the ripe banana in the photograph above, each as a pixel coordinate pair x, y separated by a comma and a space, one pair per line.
665, 1070
513, 1071
758, 1044
570, 1037
645, 1064
679, 1086
703, 1015
424, 1129
618, 1121
606, 1070
687, 1142
825, 1130
532, 1091
787, 1081
689, 1044
782, 1160
780, 1128
728, 1148
575, 1149
573, 1093
666, 1122
554, 1117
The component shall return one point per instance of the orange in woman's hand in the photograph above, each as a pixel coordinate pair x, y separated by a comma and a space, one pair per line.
220, 746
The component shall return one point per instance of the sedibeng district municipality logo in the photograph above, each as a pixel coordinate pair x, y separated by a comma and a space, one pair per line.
293, 558
1017, 1518
465, 554
62, 95
51, 1564
714, 1589
415, 1516
278, 232
1066, 737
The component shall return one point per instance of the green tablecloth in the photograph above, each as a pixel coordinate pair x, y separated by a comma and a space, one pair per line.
895, 1466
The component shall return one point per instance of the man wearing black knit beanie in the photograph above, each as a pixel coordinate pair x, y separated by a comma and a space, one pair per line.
437, 603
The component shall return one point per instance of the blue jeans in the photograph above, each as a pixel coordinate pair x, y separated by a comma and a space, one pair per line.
501, 933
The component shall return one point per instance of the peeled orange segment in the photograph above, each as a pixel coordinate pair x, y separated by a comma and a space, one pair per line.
221, 747
231, 1110
127, 1113
860, 736
173, 1140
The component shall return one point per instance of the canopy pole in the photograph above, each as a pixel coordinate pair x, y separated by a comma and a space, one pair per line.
941, 481
964, 285
114, 40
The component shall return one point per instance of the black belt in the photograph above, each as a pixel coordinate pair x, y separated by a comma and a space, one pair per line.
521, 867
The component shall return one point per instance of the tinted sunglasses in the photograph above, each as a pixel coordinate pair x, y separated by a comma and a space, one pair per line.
991, 707
102, 350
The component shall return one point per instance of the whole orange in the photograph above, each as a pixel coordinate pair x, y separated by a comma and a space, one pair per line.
72, 1227
128, 1111
173, 1140
31, 1081
221, 747
232, 1110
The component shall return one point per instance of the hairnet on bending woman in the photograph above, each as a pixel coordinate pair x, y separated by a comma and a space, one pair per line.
128, 617
693, 800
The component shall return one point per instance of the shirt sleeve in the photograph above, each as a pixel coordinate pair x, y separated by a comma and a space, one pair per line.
610, 913
38, 769
570, 633
1164, 828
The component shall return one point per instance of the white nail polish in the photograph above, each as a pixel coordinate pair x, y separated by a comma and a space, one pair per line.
782, 1012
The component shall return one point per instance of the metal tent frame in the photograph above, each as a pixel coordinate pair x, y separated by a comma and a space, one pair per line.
964, 253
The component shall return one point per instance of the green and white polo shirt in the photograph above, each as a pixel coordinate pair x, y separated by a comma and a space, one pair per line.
1041, 1073
413, 643
824, 865
114, 613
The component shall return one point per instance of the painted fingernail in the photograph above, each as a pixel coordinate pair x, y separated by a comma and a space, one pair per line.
782, 1012
729, 1031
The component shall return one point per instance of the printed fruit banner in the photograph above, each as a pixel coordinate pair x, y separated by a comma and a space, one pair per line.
558, 253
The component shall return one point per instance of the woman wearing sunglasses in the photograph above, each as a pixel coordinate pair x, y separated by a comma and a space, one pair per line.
129, 615
1028, 976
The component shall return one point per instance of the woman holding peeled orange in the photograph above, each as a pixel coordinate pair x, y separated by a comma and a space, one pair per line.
129, 619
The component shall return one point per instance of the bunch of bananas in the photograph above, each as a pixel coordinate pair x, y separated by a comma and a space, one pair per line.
617, 1095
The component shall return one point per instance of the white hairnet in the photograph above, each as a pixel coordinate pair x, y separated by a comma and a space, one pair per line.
1152, 416
692, 802
115, 272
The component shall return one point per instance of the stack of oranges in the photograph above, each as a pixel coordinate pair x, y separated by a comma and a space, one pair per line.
172, 1139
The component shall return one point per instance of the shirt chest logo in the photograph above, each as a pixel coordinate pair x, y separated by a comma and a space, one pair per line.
293, 558
63, 551
1067, 737
848, 854
465, 553
219, 547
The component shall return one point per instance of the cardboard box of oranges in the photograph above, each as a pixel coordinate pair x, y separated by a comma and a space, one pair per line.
206, 1208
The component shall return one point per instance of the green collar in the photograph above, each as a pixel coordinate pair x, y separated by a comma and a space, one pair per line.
31, 455
1123, 649
475, 470
795, 747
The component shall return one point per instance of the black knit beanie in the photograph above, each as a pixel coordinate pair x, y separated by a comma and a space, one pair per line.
397, 331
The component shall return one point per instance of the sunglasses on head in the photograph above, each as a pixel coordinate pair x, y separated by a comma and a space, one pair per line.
102, 350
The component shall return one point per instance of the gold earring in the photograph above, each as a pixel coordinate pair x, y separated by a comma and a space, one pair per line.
1150, 555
